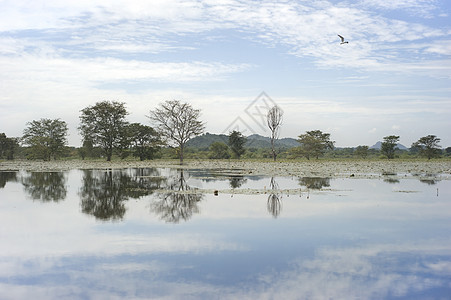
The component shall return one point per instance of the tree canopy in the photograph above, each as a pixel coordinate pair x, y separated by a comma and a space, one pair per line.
104, 124
314, 144
388, 146
8, 146
46, 138
177, 122
236, 143
145, 140
428, 146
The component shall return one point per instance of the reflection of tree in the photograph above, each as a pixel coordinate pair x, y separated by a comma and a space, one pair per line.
143, 182
45, 186
104, 192
391, 180
429, 181
179, 202
236, 181
274, 203
315, 183
388, 179
7, 176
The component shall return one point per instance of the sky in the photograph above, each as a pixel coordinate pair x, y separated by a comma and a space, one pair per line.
233, 59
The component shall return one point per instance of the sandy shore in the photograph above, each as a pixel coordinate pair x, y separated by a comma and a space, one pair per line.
321, 168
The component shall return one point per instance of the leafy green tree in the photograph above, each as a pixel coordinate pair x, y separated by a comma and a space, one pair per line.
448, 151
428, 146
46, 138
314, 144
236, 143
177, 122
104, 124
8, 146
219, 150
146, 141
361, 151
86, 150
388, 146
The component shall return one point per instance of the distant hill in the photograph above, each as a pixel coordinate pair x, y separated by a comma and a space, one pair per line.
378, 146
203, 142
258, 141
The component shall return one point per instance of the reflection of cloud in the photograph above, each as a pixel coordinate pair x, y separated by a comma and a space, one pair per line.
373, 272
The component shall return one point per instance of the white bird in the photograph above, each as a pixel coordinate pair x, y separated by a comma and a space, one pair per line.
342, 40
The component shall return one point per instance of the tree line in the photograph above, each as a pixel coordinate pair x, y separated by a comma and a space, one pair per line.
106, 132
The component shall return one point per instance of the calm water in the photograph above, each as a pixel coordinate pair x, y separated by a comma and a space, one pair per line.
99, 234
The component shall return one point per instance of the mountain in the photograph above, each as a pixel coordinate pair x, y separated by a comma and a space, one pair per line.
204, 141
378, 146
258, 141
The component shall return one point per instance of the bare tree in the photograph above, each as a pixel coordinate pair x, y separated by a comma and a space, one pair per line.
274, 120
177, 122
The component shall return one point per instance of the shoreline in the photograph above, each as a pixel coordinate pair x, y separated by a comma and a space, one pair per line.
322, 168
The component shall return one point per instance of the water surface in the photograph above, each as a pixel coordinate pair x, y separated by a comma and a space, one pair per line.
156, 233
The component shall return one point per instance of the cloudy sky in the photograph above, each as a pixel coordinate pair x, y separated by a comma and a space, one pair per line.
231, 59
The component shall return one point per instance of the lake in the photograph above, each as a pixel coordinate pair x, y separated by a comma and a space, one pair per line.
214, 234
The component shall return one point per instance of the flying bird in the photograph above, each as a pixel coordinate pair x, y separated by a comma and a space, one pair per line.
342, 40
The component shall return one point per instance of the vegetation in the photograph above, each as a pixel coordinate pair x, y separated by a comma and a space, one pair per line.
8, 146
106, 133
145, 140
389, 145
361, 151
219, 150
274, 120
104, 125
428, 146
313, 144
46, 138
177, 122
236, 143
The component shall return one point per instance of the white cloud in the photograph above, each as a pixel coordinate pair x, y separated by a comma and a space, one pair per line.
50, 50
422, 8
91, 71
440, 47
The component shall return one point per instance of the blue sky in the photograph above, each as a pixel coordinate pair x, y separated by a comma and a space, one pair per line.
393, 77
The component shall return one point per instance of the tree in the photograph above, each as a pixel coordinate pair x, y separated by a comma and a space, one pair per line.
177, 122
428, 146
361, 151
236, 143
448, 151
274, 120
46, 138
146, 141
177, 201
8, 146
104, 125
388, 146
219, 150
314, 143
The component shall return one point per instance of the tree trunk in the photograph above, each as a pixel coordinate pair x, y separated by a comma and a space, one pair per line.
181, 154
273, 150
